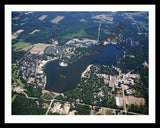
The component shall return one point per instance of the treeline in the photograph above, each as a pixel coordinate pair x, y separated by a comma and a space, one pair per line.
108, 70
24, 106
17, 55
82, 109
140, 109
33, 92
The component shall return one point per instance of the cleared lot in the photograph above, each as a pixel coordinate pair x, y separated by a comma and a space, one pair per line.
42, 17
135, 100
39, 48
36, 30
57, 19
20, 45
15, 35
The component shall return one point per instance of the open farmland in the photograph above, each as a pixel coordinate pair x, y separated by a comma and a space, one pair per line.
16, 78
57, 19
15, 35
36, 30
39, 48
42, 17
20, 45
27, 48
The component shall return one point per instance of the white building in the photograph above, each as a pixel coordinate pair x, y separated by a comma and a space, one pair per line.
119, 101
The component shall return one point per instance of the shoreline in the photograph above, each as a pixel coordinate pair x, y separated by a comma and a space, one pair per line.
87, 69
78, 40
45, 81
106, 43
41, 65
62, 64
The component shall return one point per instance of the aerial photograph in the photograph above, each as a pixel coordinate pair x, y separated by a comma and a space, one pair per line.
80, 63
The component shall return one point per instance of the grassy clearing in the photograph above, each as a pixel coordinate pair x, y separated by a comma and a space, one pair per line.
48, 96
13, 98
27, 48
16, 78
79, 34
20, 45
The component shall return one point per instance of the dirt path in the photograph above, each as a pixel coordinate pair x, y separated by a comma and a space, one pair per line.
28, 96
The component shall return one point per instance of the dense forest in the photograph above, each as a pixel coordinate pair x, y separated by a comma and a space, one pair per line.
24, 106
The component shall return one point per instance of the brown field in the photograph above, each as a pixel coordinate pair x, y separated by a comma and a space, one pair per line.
15, 35
36, 30
135, 100
57, 19
42, 17
39, 48
103, 111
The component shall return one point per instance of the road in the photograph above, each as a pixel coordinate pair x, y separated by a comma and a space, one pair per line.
49, 106
23, 57
51, 101
124, 100
133, 113
33, 98
20, 90
132, 18
99, 28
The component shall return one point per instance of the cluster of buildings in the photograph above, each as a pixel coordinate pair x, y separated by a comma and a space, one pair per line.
60, 51
31, 68
125, 79
61, 110
118, 81
85, 42
122, 80
28, 66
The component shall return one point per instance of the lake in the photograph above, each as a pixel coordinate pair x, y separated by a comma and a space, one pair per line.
62, 79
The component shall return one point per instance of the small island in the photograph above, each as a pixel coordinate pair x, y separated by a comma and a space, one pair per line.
62, 64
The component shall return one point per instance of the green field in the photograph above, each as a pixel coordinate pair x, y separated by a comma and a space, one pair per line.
20, 45
13, 98
16, 78
79, 34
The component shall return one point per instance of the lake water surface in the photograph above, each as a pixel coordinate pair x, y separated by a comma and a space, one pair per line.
57, 82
